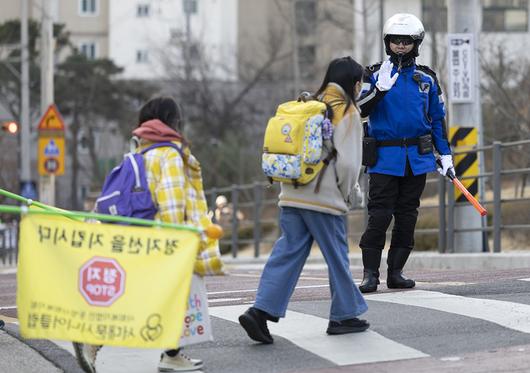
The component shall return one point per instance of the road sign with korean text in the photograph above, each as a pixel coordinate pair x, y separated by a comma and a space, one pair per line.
461, 67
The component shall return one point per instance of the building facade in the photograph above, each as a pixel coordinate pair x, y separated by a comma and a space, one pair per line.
288, 42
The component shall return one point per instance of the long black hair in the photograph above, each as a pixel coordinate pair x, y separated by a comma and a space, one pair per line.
164, 109
345, 72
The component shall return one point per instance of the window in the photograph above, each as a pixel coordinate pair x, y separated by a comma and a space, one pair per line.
306, 60
195, 53
306, 16
190, 6
88, 7
83, 142
434, 15
142, 10
89, 50
176, 34
142, 56
505, 15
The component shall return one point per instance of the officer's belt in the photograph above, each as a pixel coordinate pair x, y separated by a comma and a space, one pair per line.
399, 142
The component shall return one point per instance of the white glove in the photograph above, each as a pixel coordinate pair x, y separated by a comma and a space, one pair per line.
384, 81
447, 164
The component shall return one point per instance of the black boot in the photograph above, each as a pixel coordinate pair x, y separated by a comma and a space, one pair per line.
254, 321
371, 262
397, 257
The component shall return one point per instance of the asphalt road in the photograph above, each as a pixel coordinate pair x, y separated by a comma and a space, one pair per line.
453, 321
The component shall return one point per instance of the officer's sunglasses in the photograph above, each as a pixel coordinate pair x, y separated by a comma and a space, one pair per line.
405, 40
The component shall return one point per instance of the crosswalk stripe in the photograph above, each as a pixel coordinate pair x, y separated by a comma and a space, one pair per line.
219, 300
511, 315
309, 333
254, 290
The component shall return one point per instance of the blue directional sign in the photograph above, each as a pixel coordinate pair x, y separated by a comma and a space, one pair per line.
28, 189
51, 150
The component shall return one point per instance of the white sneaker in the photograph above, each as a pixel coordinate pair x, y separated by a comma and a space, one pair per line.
178, 363
86, 356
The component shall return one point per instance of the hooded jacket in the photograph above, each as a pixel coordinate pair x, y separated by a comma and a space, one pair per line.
339, 185
176, 187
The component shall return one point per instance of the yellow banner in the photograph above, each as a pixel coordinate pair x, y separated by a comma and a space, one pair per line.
103, 284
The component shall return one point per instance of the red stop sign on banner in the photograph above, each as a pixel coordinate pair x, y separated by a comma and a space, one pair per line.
101, 281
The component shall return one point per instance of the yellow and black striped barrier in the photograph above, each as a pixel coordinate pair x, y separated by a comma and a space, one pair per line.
465, 139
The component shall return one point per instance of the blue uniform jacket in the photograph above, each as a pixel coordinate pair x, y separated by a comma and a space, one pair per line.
411, 108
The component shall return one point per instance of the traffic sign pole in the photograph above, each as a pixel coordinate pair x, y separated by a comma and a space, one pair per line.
47, 182
25, 154
463, 17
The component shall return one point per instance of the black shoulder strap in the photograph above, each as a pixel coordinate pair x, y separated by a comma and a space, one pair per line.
432, 74
326, 161
375, 67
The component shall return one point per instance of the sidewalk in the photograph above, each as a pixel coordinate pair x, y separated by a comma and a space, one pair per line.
16, 356
417, 260
38, 356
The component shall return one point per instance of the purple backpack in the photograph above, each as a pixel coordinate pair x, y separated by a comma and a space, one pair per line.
125, 191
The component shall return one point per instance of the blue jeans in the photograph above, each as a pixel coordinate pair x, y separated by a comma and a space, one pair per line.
300, 227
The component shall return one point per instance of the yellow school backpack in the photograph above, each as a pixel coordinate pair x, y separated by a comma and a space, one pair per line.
293, 148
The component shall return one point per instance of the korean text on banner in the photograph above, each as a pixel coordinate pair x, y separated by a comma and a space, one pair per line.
103, 284
197, 326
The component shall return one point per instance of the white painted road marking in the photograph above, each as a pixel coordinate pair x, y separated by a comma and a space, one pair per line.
511, 315
254, 290
219, 300
309, 333
524, 279
357, 282
8, 271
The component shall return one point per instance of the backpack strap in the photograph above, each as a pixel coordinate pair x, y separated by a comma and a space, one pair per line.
163, 145
136, 169
326, 161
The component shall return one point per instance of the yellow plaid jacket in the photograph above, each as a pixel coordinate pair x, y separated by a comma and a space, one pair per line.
176, 187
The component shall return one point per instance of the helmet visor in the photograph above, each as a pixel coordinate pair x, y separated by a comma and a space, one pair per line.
400, 39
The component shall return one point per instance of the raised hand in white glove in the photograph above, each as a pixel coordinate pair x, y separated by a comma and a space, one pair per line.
384, 80
447, 164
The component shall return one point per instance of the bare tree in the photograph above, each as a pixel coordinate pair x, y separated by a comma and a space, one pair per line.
93, 102
506, 104
225, 112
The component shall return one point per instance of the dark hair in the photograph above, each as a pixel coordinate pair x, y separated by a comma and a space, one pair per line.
345, 72
164, 109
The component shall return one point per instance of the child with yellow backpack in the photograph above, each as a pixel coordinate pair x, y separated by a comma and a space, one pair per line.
318, 165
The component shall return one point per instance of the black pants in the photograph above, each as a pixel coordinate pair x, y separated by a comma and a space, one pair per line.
397, 196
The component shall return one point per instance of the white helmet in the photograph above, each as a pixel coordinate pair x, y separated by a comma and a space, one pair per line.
407, 25
404, 24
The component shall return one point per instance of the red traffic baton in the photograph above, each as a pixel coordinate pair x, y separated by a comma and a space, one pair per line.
476, 204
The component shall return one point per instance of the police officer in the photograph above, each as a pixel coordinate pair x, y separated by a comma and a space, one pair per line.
406, 118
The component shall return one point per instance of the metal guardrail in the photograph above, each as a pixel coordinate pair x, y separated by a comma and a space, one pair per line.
9, 244
252, 208
257, 200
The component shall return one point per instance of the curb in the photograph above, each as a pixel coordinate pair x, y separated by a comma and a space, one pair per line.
421, 260
59, 357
